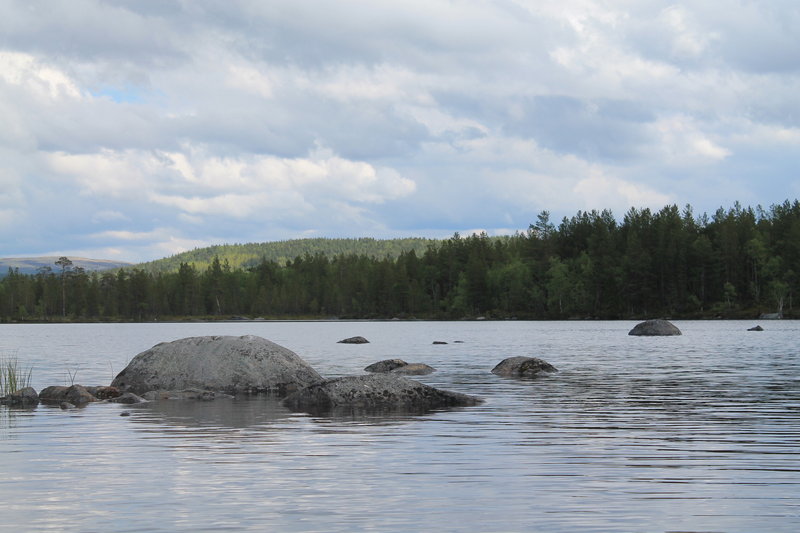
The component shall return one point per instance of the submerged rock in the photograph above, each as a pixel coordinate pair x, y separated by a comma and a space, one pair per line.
74, 395
375, 391
188, 394
354, 340
657, 327
127, 398
523, 367
413, 369
228, 364
387, 365
398, 366
756, 328
25, 397
104, 393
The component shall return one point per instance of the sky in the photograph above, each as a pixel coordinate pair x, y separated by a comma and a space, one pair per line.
135, 130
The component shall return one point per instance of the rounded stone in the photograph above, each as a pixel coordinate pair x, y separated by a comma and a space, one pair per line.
247, 364
522, 367
375, 391
653, 328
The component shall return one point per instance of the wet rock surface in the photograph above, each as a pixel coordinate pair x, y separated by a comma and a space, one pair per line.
652, 328
523, 367
372, 392
232, 365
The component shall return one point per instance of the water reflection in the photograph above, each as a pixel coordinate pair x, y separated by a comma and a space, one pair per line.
231, 413
699, 433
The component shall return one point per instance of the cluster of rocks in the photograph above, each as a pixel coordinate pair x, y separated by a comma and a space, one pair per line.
68, 397
207, 368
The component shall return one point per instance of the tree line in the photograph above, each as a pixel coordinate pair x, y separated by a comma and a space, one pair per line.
738, 262
250, 254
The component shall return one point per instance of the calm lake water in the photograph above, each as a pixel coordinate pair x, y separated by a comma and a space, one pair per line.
693, 433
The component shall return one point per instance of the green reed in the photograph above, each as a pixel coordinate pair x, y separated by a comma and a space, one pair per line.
13, 376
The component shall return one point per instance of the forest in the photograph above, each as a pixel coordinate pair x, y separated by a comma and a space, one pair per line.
740, 262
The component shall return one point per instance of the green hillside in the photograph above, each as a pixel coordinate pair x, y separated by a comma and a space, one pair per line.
247, 255
31, 265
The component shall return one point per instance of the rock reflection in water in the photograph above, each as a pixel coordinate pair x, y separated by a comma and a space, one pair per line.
235, 413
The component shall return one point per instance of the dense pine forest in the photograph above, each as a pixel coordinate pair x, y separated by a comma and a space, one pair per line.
740, 262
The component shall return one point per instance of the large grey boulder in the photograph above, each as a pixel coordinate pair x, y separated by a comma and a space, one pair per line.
523, 367
657, 327
228, 364
375, 391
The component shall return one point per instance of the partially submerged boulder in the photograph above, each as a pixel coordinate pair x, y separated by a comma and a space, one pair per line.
354, 340
387, 365
127, 398
398, 366
413, 369
755, 328
104, 393
652, 328
25, 397
233, 365
523, 367
375, 391
188, 394
74, 394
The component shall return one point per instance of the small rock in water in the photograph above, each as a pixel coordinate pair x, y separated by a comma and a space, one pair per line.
66, 405
413, 369
439, 342
387, 365
522, 367
756, 328
354, 340
654, 328
124, 413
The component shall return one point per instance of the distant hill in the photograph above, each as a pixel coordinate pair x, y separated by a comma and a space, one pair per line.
31, 265
248, 255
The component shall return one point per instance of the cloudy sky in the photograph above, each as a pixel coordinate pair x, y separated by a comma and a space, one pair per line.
136, 129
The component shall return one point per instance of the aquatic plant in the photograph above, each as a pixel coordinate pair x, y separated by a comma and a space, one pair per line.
13, 376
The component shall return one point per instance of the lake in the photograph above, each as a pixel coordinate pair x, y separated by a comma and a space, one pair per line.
693, 433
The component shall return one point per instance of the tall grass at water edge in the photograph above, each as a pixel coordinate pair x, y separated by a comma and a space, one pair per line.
13, 376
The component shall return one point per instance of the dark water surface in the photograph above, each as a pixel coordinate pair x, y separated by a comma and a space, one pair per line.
693, 433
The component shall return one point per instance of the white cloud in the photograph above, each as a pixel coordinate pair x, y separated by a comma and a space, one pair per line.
45, 81
682, 141
605, 192
275, 119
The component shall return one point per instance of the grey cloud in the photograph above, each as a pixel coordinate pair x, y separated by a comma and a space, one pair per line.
595, 129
